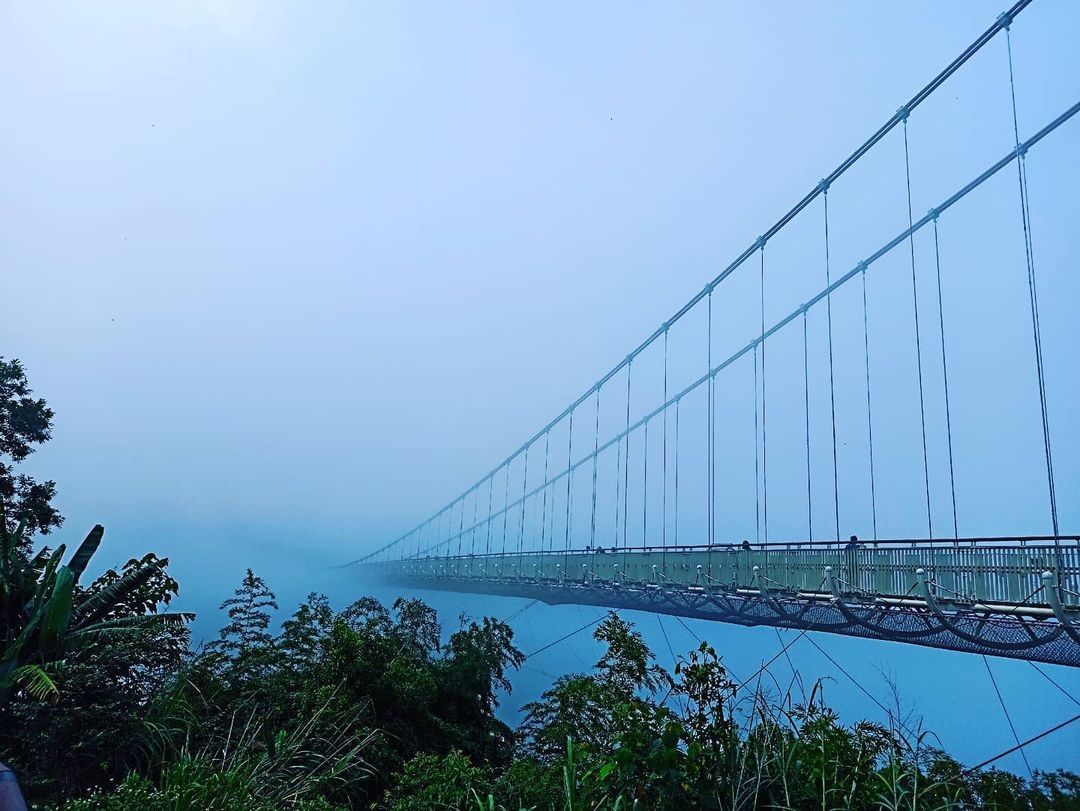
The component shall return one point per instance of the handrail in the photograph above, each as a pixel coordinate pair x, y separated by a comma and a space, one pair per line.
1003, 541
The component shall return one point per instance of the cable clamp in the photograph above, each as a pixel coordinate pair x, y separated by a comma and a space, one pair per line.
861, 267
1021, 150
710, 287
760, 243
933, 214
667, 326
823, 186
903, 112
1005, 20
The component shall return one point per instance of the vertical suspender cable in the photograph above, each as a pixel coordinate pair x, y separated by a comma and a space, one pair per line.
626, 460
524, 490
918, 339
663, 530
506, 506
711, 451
595, 463
806, 412
491, 494
1025, 211
543, 512
945, 378
569, 477
645, 486
618, 484
764, 435
757, 451
832, 386
475, 511
869, 411
461, 524
677, 404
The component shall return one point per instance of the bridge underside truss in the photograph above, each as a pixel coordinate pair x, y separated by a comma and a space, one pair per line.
1017, 636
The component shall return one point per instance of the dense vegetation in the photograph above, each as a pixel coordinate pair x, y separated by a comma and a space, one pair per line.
103, 705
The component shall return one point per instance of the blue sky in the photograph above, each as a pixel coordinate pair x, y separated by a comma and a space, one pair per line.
294, 275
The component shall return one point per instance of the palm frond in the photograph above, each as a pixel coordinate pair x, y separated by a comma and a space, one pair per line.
35, 682
86, 550
97, 605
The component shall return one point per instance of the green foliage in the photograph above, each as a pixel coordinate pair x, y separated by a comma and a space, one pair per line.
98, 673
47, 620
25, 504
447, 781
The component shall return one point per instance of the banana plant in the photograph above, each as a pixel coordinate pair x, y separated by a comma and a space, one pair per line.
46, 617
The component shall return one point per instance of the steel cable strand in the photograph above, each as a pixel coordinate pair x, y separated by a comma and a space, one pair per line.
1032, 290
764, 435
918, 338
869, 411
945, 379
806, 412
569, 479
663, 531
1008, 716
832, 383
596, 460
710, 451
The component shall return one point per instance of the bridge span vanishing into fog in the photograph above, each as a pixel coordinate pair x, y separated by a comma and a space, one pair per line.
802, 442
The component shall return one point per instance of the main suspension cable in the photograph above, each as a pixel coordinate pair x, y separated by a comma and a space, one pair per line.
925, 92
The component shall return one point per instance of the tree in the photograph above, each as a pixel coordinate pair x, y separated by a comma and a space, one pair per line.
25, 504
302, 632
245, 649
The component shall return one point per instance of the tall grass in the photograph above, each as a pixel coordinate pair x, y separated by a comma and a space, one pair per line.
250, 766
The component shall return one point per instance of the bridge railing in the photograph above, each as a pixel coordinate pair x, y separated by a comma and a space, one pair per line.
989, 572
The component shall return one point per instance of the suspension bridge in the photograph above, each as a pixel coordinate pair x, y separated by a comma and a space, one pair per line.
735, 466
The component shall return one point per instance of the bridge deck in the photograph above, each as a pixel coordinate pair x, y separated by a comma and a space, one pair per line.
1017, 599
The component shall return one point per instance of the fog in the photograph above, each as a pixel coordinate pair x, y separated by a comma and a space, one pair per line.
293, 276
